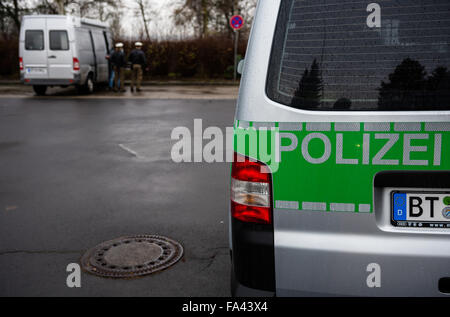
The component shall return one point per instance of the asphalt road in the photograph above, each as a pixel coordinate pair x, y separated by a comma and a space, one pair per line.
159, 91
67, 184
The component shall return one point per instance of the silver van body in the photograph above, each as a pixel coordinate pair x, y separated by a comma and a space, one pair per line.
58, 50
333, 252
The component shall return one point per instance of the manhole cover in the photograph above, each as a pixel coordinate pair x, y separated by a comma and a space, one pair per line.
132, 256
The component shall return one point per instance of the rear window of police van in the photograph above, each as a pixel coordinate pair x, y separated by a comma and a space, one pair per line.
361, 55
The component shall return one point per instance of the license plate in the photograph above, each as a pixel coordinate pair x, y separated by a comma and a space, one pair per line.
421, 209
36, 70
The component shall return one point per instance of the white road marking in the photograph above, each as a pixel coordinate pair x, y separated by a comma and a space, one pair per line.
130, 151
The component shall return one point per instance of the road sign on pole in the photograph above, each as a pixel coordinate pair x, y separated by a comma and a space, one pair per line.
236, 41
236, 23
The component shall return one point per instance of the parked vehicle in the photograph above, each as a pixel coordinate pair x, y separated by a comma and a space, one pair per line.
345, 190
58, 50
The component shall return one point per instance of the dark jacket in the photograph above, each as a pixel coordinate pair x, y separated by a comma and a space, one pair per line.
118, 59
110, 53
137, 57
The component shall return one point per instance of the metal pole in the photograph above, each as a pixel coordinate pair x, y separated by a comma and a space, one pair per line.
236, 40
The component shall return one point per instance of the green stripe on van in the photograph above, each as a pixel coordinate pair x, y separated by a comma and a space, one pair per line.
332, 165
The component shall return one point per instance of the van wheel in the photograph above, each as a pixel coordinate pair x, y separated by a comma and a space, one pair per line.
89, 86
40, 89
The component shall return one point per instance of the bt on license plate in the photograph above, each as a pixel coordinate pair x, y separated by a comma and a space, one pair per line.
421, 209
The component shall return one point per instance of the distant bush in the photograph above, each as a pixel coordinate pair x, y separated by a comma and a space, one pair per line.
9, 57
207, 58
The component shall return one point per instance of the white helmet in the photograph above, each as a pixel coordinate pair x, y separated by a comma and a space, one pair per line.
138, 44
119, 45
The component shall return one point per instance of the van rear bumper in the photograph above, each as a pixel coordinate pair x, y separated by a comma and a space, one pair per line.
240, 290
319, 262
51, 82
252, 257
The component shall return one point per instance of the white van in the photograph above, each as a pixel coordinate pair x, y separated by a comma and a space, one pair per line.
59, 50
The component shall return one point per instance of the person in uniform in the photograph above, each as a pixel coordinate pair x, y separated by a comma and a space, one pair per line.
138, 64
119, 62
110, 69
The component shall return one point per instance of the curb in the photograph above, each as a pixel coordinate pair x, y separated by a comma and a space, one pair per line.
9, 82
153, 83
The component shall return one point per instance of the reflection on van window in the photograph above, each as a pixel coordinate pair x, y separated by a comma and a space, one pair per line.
327, 56
310, 86
409, 87
34, 40
59, 41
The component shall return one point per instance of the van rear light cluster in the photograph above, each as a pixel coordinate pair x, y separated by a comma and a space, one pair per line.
21, 63
251, 191
76, 64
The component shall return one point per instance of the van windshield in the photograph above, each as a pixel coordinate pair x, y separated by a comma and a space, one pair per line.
360, 56
34, 40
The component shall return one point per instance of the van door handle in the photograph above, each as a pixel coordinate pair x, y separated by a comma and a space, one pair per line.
53, 56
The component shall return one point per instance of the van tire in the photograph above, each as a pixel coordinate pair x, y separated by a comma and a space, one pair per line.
40, 89
88, 87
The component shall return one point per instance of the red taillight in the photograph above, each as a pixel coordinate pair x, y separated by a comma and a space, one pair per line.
76, 64
21, 63
251, 191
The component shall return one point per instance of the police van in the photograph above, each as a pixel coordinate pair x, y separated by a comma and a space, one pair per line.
59, 50
340, 184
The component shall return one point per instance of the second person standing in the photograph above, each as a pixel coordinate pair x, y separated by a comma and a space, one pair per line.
138, 64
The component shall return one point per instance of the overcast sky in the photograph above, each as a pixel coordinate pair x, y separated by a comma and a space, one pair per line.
160, 15
161, 20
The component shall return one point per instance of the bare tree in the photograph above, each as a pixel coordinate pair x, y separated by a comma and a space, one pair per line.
103, 10
13, 10
143, 6
98, 9
213, 15
115, 24
61, 6
197, 13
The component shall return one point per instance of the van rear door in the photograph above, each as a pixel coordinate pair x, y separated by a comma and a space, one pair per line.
101, 51
34, 51
60, 57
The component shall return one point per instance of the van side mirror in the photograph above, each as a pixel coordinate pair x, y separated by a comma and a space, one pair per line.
240, 67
